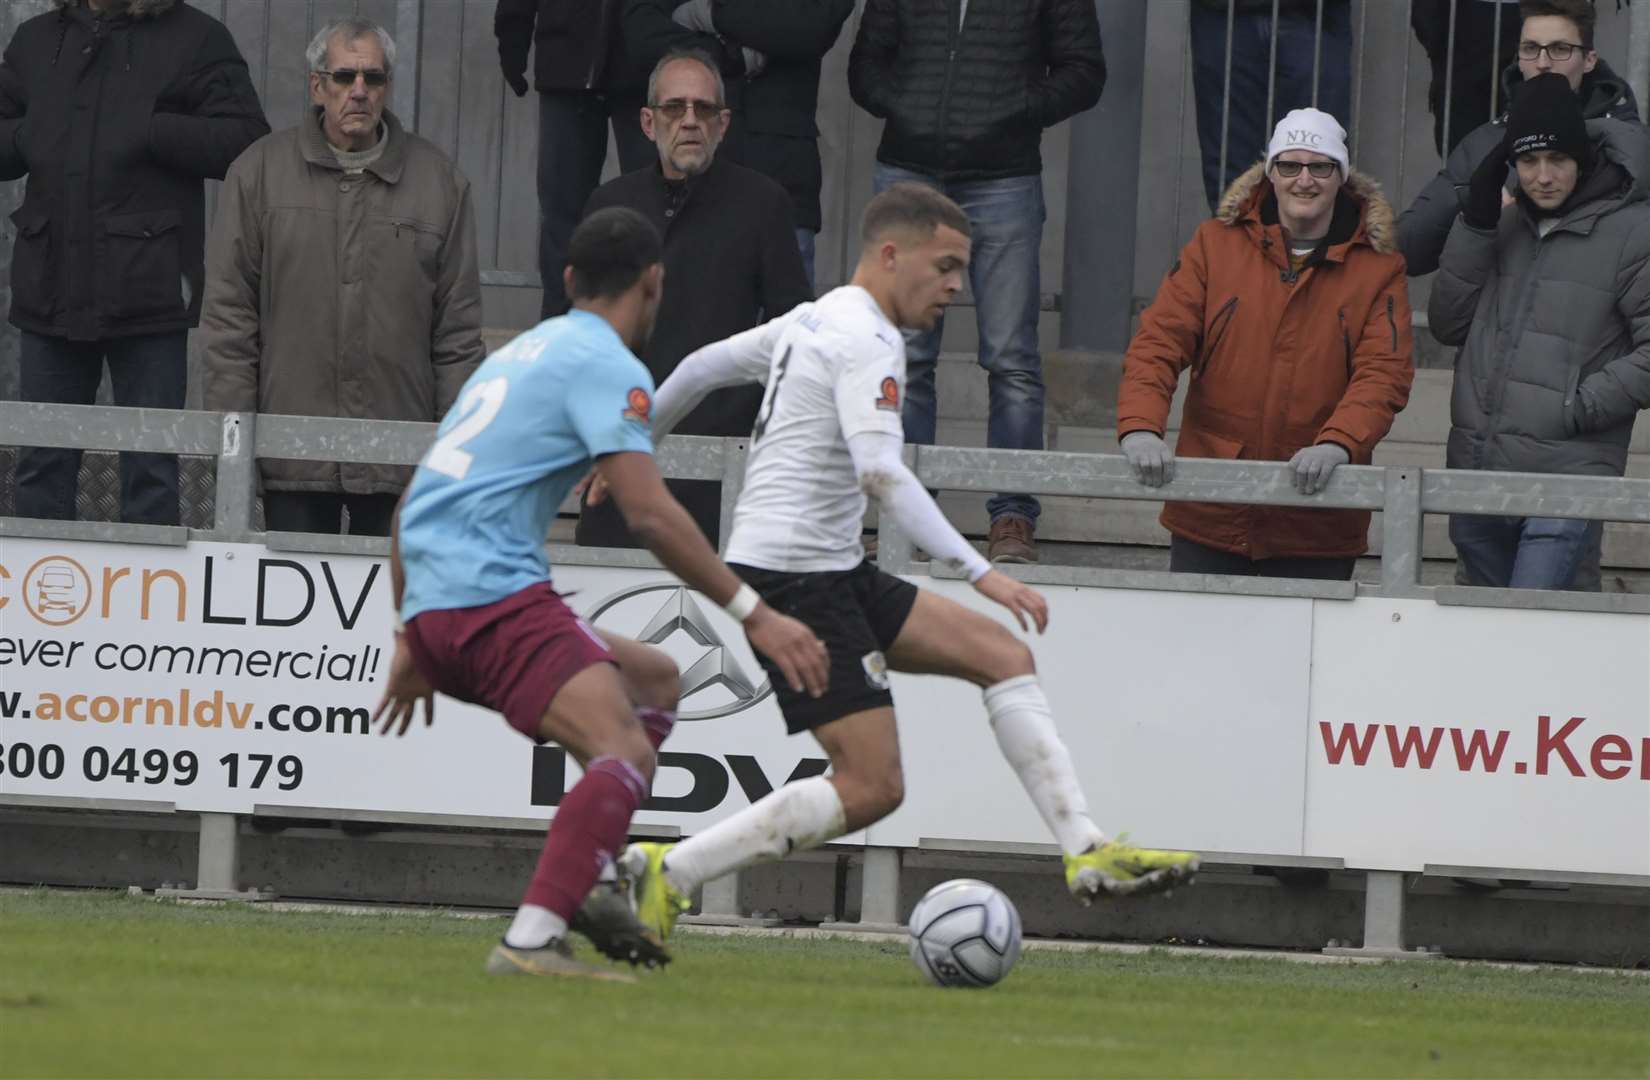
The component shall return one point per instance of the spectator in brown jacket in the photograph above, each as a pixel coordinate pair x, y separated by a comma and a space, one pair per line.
1290, 307
342, 281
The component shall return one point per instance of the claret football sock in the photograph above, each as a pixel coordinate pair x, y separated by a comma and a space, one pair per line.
588, 830
658, 722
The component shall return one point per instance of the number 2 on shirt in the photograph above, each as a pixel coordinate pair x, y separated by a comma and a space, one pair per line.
772, 397
481, 405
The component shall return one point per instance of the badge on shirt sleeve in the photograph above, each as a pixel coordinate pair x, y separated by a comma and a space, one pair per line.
888, 399
638, 406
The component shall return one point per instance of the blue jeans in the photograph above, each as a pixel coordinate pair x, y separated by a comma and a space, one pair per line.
805, 244
1007, 219
1248, 128
146, 371
1522, 553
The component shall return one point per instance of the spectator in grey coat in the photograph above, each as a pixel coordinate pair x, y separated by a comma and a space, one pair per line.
1550, 299
342, 282
1556, 37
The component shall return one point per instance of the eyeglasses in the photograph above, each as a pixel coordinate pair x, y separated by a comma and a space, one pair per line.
347, 76
1557, 51
1320, 170
674, 109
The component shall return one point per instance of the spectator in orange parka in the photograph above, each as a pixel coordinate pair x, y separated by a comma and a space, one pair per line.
1290, 308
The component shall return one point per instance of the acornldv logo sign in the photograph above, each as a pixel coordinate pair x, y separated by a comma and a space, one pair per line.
720, 677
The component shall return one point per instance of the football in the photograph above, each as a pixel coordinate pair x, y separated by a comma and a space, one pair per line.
964, 933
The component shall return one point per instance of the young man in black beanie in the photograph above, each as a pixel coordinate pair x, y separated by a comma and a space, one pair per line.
1550, 299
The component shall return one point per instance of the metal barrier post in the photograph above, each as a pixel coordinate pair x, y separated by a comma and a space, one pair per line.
735, 454
217, 873
1384, 921
237, 478
1401, 522
879, 890
894, 551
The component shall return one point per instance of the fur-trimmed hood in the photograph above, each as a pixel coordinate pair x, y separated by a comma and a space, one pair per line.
136, 9
1379, 228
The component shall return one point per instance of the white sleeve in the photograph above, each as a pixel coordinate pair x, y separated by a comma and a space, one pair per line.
870, 387
884, 477
743, 358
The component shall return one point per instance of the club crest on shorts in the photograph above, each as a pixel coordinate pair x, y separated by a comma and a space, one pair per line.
638, 406
888, 399
876, 668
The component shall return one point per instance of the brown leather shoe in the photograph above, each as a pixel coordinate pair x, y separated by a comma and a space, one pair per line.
1013, 540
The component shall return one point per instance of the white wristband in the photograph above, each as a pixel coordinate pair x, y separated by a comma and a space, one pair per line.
743, 603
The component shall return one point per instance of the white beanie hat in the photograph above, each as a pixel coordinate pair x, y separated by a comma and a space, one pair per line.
1309, 129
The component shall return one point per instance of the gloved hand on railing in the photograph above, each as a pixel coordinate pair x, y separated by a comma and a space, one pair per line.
1150, 458
1312, 466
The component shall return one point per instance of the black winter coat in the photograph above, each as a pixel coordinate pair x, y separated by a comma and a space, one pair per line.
117, 121
576, 44
972, 104
774, 130
731, 262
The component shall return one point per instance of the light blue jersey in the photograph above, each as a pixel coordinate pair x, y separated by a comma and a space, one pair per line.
525, 428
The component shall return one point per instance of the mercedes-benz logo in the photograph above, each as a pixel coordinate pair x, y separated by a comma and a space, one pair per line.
716, 668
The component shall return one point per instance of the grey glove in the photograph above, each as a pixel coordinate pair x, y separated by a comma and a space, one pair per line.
1150, 458
1312, 466
694, 15
755, 62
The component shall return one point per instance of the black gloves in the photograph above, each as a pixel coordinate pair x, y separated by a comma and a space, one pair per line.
1485, 189
514, 63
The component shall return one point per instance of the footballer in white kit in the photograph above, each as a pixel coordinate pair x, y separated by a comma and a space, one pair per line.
828, 437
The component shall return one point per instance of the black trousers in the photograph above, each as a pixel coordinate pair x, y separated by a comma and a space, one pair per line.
603, 526
1191, 557
145, 371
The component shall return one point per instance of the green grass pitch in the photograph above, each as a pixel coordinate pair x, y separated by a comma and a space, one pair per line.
96, 984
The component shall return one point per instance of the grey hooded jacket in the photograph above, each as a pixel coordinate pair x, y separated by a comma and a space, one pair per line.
1556, 330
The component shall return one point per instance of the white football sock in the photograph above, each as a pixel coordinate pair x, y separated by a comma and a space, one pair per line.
797, 816
534, 928
1026, 734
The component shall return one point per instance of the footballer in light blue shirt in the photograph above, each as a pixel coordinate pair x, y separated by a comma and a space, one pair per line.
526, 427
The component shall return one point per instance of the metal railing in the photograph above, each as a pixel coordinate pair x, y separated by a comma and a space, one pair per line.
1402, 494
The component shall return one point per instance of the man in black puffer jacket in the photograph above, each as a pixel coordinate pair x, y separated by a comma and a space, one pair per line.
117, 110
967, 87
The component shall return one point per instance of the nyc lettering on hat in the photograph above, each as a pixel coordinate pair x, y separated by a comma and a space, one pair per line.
1309, 129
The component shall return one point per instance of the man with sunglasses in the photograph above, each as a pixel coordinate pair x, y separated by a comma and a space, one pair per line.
1291, 309
342, 281
117, 111
730, 255
1557, 36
